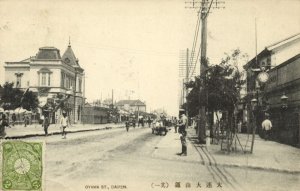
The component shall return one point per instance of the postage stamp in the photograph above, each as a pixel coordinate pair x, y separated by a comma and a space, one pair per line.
22, 165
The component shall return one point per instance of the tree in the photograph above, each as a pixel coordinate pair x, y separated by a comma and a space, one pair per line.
221, 84
30, 101
13, 98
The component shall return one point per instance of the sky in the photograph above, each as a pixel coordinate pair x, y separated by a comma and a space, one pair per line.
133, 47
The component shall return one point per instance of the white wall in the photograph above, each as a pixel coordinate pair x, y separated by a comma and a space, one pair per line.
11, 77
286, 52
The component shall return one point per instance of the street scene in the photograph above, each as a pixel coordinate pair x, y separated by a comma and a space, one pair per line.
150, 95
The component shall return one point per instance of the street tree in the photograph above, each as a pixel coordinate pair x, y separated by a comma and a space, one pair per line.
222, 85
29, 101
13, 98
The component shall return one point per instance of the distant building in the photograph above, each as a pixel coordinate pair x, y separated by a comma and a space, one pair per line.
280, 96
94, 114
131, 105
49, 74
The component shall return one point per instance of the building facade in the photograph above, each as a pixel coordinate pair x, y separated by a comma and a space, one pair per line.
280, 95
131, 105
48, 74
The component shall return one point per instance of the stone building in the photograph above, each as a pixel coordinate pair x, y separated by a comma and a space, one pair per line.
48, 74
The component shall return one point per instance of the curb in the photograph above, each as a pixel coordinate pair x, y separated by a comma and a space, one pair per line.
58, 133
270, 169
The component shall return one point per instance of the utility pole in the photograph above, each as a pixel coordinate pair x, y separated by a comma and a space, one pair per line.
202, 109
186, 81
205, 7
112, 98
255, 116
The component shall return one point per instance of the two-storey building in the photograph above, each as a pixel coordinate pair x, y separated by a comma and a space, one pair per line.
280, 95
49, 74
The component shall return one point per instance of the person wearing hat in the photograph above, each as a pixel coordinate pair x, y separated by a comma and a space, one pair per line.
182, 124
64, 122
267, 127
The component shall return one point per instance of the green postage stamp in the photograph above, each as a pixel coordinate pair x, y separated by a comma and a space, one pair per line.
22, 165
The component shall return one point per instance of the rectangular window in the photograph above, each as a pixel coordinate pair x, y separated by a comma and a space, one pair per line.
48, 79
62, 84
79, 85
67, 83
18, 84
43, 79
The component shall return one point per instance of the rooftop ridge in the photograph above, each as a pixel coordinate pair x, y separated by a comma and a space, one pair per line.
281, 41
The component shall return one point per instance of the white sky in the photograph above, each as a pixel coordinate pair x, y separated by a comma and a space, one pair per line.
134, 45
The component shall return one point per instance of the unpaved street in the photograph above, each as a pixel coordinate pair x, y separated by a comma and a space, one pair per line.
118, 160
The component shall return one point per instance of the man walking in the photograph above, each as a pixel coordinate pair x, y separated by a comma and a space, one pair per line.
175, 123
46, 124
14, 119
64, 122
267, 127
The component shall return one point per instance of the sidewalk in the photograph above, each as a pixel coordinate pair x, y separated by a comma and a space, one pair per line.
19, 131
267, 155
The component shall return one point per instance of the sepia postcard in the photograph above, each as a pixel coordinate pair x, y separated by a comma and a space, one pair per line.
149, 95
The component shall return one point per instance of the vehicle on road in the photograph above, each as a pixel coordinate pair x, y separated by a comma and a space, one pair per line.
159, 128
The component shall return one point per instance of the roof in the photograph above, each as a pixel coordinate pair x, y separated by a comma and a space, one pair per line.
48, 53
283, 42
69, 57
28, 59
268, 49
130, 102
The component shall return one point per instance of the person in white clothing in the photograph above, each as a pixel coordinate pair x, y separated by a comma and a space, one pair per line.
267, 128
64, 123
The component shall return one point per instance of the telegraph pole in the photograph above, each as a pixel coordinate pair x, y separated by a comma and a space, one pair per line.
202, 110
186, 81
112, 98
205, 6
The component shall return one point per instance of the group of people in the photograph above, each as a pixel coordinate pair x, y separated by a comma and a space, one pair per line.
64, 123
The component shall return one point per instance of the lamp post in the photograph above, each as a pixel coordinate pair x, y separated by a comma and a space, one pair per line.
284, 107
284, 100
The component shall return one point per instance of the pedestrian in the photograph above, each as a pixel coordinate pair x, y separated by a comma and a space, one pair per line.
14, 119
175, 123
3, 124
149, 122
64, 123
183, 143
267, 127
46, 124
183, 123
25, 120
142, 121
